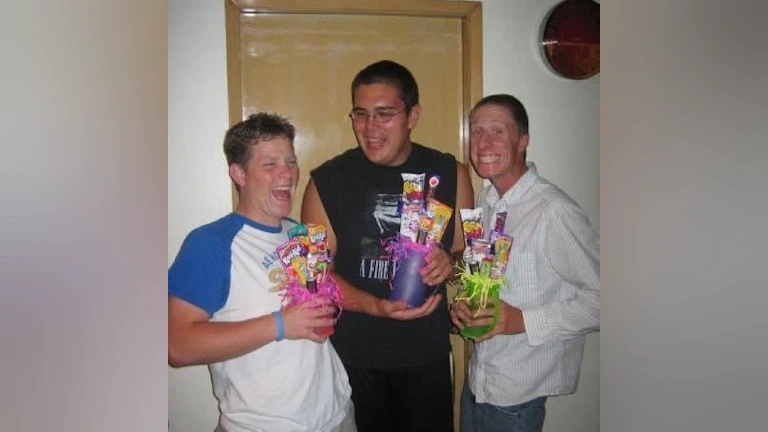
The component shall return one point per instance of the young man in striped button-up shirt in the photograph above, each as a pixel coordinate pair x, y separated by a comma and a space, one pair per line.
551, 297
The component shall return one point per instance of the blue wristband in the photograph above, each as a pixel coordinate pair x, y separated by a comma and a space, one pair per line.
280, 325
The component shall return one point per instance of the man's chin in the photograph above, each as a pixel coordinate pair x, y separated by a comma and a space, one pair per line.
485, 173
282, 210
373, 155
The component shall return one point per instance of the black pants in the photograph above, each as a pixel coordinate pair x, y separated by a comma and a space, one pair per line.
417, 399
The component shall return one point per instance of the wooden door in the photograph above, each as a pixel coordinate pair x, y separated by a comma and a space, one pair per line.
298, 59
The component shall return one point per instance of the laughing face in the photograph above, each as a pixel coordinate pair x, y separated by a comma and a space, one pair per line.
496, 146
381, 124
268, 181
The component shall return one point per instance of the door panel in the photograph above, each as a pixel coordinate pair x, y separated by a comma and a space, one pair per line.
302, 66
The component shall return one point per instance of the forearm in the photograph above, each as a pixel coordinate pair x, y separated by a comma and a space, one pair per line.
210, 342
357, 300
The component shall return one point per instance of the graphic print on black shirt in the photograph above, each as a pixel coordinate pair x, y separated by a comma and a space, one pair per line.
381, 219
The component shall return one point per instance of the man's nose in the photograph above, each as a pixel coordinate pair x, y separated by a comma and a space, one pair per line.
283, 170
370, 123
481, 141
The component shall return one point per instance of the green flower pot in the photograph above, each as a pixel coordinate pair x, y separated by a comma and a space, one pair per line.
480, 293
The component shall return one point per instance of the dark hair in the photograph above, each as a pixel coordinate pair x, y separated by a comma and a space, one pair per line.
256, 128
512, 104
393, 74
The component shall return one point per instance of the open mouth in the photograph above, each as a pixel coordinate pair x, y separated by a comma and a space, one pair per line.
488, 158
282, 193
374, 143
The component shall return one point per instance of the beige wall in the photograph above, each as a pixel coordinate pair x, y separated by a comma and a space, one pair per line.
564, 144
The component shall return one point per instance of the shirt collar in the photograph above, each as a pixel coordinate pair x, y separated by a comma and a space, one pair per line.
518, 189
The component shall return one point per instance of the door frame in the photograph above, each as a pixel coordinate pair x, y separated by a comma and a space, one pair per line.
470, 13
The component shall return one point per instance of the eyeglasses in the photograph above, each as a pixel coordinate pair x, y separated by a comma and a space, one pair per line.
379, 116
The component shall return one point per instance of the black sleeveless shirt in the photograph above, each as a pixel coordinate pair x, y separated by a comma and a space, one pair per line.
360, 199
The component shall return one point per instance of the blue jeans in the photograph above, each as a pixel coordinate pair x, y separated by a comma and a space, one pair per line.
482, 417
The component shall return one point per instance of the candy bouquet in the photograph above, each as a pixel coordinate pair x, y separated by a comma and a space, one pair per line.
482, 272
423, 221
305, 259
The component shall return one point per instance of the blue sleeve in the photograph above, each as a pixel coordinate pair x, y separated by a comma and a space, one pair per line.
200, 274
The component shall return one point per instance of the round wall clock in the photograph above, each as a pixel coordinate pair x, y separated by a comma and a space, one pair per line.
570, 39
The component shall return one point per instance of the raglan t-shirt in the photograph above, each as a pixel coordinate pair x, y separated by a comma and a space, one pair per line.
229, 269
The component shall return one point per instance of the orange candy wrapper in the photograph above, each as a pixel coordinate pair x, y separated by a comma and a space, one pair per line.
441, 215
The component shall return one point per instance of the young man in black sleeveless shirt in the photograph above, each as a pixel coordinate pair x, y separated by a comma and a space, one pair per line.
397, 357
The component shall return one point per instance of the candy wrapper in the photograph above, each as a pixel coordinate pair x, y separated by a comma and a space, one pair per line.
413, 187
293, 258
409, 219
501, 247
472, 223
441, 215
501, 220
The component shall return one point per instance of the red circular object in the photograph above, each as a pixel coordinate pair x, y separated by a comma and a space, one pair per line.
571, 39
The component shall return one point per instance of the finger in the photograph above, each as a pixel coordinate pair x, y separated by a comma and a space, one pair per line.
391, 308
425, 309
419, 311
329, 310
432, 277
461, 311
324, 321
432, 302
465, 319
458, 324
399, 305
438, 274
461, 305
434, 255
456, 320
429, 268
482, 321
483, 313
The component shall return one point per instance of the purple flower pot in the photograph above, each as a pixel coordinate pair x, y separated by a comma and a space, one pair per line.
407, 284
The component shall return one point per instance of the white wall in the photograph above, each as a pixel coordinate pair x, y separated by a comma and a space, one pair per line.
564, 123
564, 120
198, 185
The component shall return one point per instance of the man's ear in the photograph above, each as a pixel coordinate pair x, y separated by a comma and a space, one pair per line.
237, 174
413, 116
522, 143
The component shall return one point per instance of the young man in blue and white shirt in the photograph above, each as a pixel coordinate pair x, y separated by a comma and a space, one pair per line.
270, 370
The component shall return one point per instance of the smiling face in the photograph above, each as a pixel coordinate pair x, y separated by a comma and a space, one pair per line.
267, 182
386, 143
496, 147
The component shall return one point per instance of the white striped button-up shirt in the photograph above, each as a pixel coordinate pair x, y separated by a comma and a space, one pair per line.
553, 276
